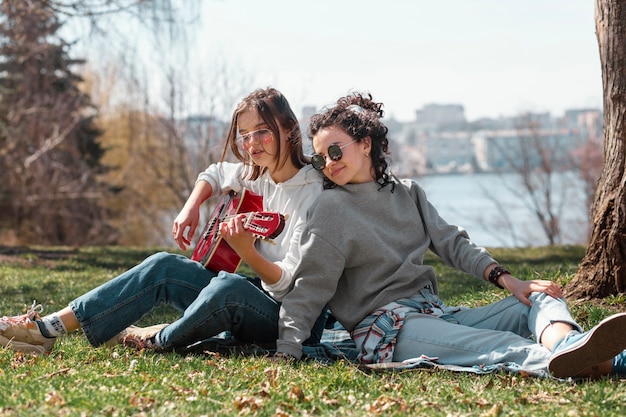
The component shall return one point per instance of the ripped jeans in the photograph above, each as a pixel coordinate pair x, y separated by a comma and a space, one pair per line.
492, 334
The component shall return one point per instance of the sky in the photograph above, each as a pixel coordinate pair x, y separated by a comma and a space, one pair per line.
497, 58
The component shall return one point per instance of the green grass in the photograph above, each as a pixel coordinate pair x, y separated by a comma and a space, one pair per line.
79, 380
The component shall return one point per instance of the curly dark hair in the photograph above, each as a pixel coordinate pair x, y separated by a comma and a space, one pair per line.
359, 116
274, 109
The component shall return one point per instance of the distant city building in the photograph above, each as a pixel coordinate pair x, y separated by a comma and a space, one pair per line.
502, 150
441, 140
204, 137
440, 115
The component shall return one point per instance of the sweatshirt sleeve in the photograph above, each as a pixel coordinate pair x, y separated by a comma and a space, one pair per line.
450, 242
316, 281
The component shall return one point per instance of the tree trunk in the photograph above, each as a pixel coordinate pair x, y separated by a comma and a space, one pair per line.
602, 271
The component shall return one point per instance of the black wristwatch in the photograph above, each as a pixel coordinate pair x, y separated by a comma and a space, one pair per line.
496, 273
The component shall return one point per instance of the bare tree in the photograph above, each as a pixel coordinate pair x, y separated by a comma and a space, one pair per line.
170, 115
39, 206
538, 156
157, 155
50, 155
587, 158
602, 271
187, 144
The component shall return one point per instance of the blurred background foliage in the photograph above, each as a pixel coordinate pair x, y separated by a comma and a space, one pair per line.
87, 156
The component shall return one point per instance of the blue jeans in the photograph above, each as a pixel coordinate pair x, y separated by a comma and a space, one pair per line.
493, 334
210, 304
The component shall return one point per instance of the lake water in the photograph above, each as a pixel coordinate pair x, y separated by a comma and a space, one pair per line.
492, 209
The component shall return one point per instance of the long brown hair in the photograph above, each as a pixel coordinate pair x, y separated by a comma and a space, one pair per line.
274, 109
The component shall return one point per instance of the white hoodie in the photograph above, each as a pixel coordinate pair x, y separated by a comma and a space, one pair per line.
292, 197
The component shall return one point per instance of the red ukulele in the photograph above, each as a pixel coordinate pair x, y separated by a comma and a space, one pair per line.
212, 250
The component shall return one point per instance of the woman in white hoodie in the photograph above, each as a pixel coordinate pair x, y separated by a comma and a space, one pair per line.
265, 137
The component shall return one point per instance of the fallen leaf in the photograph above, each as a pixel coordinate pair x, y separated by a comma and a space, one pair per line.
54, 398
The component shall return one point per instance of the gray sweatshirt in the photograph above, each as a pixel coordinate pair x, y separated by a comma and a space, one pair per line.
363, 247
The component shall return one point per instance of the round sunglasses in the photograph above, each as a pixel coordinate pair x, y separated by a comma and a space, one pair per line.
334, 153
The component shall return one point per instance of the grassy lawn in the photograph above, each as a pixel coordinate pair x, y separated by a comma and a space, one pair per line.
79, 380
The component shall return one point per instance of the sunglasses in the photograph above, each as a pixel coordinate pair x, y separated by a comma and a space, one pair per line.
263, 136
334, 153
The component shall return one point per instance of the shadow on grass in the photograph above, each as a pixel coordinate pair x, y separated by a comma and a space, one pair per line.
69, 259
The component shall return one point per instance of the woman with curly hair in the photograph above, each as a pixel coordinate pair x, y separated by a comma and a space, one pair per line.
362, 255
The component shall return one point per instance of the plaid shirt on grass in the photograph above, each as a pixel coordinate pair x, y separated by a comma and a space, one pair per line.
375, 335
